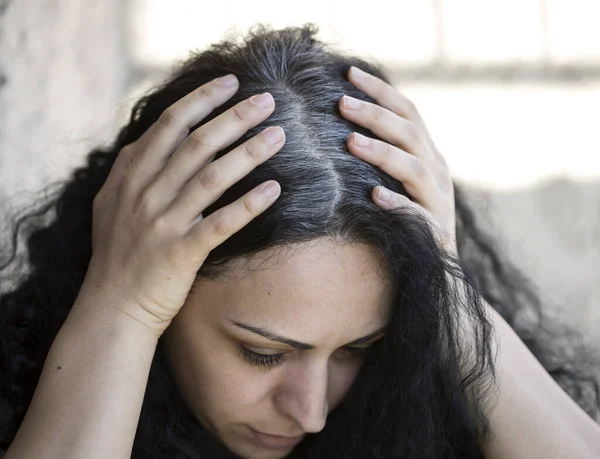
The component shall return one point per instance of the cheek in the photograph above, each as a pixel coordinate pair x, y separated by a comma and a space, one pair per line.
230, 390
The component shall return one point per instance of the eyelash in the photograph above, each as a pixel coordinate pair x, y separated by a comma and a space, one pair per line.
265, 361
268, 361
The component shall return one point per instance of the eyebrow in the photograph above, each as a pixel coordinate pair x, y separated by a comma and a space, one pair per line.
297, 344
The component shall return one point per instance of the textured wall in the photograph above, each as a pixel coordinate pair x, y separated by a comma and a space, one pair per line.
63, 70
552, 232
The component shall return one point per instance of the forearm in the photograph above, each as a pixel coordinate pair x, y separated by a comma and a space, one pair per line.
88, 400
532, 416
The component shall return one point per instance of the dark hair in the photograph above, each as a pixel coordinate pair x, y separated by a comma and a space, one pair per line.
408, 400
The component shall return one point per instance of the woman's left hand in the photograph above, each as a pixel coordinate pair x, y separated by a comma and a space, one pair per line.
410, 156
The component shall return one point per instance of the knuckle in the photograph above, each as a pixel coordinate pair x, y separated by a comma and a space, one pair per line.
127, 187
254, 149
239, 112
199, 138
250, 206
170, 117
128, 155
206, 91
127, 150
159, 225
411, 131
210, 177
144, 204
418, 167
220, 226
387, 153
378, 112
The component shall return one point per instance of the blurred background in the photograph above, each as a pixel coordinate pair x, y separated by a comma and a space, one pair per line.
510, 91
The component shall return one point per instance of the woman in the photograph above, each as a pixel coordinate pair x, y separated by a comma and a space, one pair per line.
211, 318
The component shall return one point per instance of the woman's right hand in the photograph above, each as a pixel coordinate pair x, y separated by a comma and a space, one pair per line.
147, 241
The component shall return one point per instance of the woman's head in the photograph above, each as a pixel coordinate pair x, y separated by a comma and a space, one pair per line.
323, 266
312, 312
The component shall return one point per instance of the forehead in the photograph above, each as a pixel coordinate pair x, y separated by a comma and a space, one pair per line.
319, 292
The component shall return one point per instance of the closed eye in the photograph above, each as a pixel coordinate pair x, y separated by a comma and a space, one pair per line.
268, 361
264, 361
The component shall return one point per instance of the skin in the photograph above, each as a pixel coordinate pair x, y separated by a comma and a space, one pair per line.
325, 294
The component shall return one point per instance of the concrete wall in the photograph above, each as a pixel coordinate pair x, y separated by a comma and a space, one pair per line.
63, 69
552, 232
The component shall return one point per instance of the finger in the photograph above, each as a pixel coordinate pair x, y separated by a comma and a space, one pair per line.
221, 224
123, 161
415, 175
392, 201
386, 95
388, 126
214, 179
202, 145
174, 124
388, 199
389, 97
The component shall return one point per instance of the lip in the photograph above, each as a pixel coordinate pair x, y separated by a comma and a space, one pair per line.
275, 441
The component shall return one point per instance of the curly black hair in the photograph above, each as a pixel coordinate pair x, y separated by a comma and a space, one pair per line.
408, 400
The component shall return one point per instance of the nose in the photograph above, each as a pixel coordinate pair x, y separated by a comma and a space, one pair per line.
303, 396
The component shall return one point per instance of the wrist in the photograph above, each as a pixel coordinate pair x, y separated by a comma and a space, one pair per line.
113, 309
104, 313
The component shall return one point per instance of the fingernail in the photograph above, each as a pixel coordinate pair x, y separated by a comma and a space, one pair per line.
227, 80
351, 103
361, 140
263, 100
271, 190
273, 135
383, 195
358, 73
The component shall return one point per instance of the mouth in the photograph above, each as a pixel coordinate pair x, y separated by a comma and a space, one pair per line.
275, 441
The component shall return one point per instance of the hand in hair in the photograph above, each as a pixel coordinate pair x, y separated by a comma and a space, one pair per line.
410, 156
149, 238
